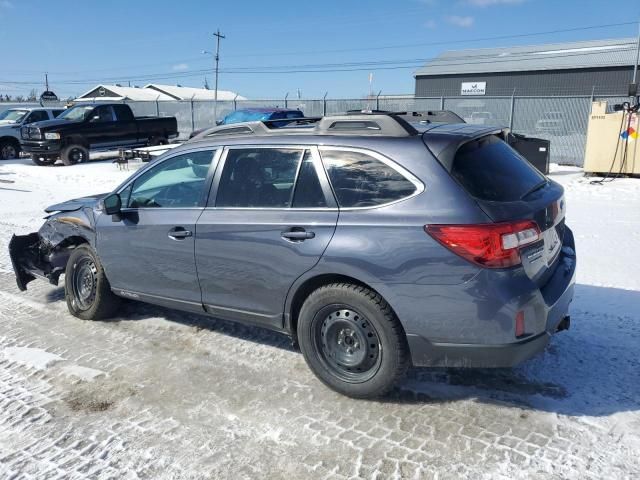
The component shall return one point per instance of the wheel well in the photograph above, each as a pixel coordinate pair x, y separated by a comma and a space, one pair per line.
72, 242
311, 285
75, 140
13, 140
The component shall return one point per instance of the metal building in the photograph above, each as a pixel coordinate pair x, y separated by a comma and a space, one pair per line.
595, 67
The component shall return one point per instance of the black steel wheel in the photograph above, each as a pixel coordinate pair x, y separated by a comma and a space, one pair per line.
85, 283
347, 343
87, 289
352, 340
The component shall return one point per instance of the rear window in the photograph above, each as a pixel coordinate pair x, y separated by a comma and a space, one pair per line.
489, 169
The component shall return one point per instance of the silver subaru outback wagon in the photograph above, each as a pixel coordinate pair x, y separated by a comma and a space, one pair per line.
374, 243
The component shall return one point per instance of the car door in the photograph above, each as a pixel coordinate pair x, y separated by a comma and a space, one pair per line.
148, 249
101, 130
270, 216
127, 126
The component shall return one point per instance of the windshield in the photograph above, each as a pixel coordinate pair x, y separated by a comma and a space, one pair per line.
245, 116
79, 112
13, 115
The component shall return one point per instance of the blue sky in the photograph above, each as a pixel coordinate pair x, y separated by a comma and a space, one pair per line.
82, 43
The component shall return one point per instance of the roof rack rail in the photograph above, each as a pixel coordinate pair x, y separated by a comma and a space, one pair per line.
378, 124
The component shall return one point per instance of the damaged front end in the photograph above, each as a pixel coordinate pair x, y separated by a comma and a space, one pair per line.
44, 254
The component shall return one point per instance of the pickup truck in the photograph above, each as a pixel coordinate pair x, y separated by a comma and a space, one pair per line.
93, 126
12, 120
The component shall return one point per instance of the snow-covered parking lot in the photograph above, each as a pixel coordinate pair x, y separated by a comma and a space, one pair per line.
160, 394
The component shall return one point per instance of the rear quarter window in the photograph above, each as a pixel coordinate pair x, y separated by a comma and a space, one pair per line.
361, 180
489, 169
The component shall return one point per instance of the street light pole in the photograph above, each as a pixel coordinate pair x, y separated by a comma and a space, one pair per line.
218, 36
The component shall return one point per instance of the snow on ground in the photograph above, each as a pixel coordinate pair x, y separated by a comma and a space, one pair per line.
162, 394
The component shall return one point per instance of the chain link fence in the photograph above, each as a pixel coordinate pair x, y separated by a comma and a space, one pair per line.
561, 119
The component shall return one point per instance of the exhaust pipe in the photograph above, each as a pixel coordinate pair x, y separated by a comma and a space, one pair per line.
564, 324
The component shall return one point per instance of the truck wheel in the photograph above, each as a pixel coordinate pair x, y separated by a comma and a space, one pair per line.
43, 161
87, 290
352, 340
9, 150
72, 154
155, 141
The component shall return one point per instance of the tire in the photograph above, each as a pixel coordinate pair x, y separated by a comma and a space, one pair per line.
9, 150
43, 161
155, 141
87, 290
352, 340
74, 153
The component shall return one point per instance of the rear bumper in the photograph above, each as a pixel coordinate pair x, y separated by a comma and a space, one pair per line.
43, 147
545, 309
425, 353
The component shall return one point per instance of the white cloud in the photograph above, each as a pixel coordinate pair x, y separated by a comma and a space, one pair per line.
458, 21
490, 3
430, 24
180, 67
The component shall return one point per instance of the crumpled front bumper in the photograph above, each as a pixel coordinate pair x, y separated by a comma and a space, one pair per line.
32, 259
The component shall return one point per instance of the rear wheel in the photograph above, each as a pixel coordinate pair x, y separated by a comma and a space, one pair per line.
43, 161
9, 150
87, 290
352, 340
72, 154
155, 141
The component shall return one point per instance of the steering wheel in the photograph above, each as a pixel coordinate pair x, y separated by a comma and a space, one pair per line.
179, 194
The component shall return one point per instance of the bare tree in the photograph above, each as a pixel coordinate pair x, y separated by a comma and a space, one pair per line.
19, 99
33, 95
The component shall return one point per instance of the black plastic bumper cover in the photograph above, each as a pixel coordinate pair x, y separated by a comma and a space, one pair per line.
425, 353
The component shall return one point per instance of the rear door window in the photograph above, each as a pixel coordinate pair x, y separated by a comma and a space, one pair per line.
259, 178
489, 169
123, 113
37, 116
361, 180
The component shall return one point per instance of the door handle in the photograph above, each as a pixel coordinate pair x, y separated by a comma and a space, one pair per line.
297, 235
179, 233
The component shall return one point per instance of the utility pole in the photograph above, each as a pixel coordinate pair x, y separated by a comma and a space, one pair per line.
635, 65
46, 81
218, 36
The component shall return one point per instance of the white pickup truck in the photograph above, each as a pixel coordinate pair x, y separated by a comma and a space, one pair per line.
13, 119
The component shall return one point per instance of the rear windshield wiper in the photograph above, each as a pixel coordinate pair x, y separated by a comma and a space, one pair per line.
535, 188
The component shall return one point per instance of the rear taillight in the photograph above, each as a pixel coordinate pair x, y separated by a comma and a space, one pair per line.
491, 245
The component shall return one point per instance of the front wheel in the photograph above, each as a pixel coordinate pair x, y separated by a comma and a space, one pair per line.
87, 290
352, 340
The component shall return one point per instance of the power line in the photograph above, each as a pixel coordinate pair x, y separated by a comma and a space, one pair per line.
444, 42
523, 56
383, 47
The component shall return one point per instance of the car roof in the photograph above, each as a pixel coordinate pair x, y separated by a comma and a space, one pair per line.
34, 109
266, 109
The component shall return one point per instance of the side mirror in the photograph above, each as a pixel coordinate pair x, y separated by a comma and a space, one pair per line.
219, 122
95, 118
112, 204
